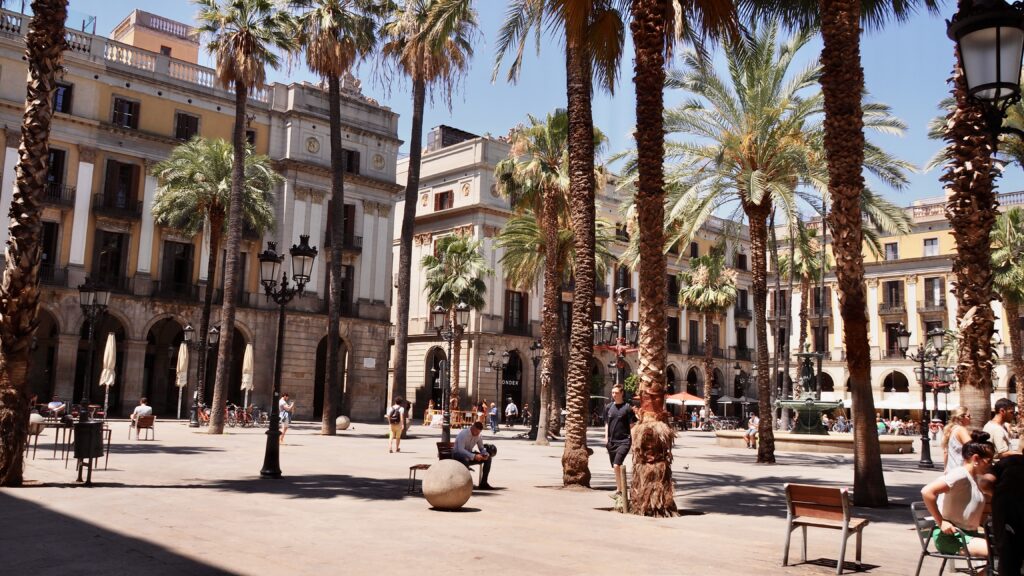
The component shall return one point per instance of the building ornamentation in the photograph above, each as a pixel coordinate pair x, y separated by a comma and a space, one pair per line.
318, 195
13, 136
112, 225
466, 230
87, 154
491, 231
465, 188
422, 239
383, 210
369, 207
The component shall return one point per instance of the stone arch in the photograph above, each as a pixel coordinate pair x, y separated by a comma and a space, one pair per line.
672, 379
43, 356
87, 372
695, 381
827, 384
512, 380
117, 315
320, 376
233, 392
182, 321
431, 390
718, 380
164, 336
246, 332
895, 381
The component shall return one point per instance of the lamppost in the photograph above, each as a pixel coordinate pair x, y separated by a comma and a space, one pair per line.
535, 352
619, 336
446, 330
921, 356
939, 379
93, 298
202, 372
989, 36
270, 266
495, 364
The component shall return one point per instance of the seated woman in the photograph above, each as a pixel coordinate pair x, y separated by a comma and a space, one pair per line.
957, 500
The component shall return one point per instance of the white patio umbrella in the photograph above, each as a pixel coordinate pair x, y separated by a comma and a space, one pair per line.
247, 384
181, 379
108, 374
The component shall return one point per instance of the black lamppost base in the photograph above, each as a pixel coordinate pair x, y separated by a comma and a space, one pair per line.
193, 416
926, 454
272, 455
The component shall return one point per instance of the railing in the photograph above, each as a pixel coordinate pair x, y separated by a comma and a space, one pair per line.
744, 354
927, 306
892, 354
695, 349
351, 310
52, 275
122, 284
781, 311
352, 243
522, 330
743, 312
718, 352
675, 347
58, 194
892, 308
601, 289
825, 310
116, 208
162, 24
176, 290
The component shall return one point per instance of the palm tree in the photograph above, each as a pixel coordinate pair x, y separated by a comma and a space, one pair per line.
804, 264
456, 275
244, 37
760, 141
430, 42
593, 35
194, 188
1008, 276
19, 291
708, 288
335, 35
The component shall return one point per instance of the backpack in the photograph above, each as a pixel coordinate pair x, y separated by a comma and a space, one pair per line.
395, 415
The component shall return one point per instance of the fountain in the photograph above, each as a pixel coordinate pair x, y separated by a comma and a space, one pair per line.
809, 406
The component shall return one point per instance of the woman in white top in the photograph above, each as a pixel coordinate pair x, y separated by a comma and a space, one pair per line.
954, 436
957, 502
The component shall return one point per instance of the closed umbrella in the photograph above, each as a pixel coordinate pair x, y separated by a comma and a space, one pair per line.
182, 375
247, 384
107, 376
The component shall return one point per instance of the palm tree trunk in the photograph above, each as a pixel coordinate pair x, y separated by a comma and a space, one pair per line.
842, 84
1016, 355
709, 363
412, 187
216, 219
757, 216
653, 490
575, 456
232, 247
19, 291
332, 385
971, 211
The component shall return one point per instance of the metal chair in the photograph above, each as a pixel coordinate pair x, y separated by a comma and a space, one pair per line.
925, 524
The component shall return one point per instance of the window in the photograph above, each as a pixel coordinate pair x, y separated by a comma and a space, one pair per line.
349, 230
741, 261
892, 343
55, 172
782, 343
110, 253
673, 290
623, 278
62, 98
933, 292
694, 250
176, 274
566, 319
621, 232
714, 335
931, 246
186, 126
892, 251
126, 113
893, 293
820, 304
674, 248
120, 189
673, 333
820, 337
444, 200
929, 326
515, 311
352, 162
741, 300
51, 243
250, 137
165, 50
741, 339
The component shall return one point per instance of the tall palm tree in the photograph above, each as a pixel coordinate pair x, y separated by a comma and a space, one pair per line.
430, 42
19, 291
1008, 277
194, 189
335, 36
593, 34
455, 275
244, 36
804, 264
655, 25
759, 146
708, 288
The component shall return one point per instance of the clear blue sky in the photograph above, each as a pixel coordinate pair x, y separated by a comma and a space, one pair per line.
907, 67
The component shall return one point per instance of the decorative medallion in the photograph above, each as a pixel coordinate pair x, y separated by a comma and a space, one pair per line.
313, 145
465, 188
378, 161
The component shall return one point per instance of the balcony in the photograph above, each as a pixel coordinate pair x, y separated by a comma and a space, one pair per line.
892, 354
601, 289
695, 349
175, 290
123, 209
57, 194
781, 311
744, 354
52, 275
743, 312
825, 310
932, 306
120, 284
352, 244
522, 330
351, 310
718, 352
674, 347
891, 308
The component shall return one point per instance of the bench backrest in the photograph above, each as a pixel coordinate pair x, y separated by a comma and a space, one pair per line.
818, 502
145, 421
444, 450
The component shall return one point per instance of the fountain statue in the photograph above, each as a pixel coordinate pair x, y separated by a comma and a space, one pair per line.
809, 405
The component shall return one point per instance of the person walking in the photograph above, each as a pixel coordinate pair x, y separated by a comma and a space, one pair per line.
396, 423
492, 415
996, 427
619, 420
511, 412
285, 407
954, 437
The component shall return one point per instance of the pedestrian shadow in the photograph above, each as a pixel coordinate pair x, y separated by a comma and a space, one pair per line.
44, 542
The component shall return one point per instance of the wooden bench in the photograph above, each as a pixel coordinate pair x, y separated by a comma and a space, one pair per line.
821, 507
444, 452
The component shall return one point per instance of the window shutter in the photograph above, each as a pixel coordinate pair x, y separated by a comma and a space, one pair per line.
350, 221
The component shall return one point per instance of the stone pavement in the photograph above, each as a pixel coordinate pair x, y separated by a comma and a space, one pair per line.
190, 503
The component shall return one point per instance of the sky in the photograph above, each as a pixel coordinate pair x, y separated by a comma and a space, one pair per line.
906, 66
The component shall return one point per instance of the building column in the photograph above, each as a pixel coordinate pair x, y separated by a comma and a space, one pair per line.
837, 323
134, 364
144, 263
917, 336
10, 165
204, 253
80, 222
730, 328
382, 259
1000, 314
316, 238
366, 287
67, 358
794, 321
951, 303
873, 318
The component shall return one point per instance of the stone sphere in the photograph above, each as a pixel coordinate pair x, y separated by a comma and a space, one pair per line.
447, 485
342, 422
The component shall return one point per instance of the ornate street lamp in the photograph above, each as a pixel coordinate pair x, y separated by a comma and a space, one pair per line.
93, 299
921, 356
446, 330
535, 352
303, 256
202, 372
989, 36
498, 364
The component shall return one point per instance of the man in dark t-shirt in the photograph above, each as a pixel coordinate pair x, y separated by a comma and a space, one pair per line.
619, 418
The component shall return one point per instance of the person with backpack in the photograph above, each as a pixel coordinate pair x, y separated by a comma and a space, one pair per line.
396, 423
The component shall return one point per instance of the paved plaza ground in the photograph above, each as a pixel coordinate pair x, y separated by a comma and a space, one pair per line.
190, 503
